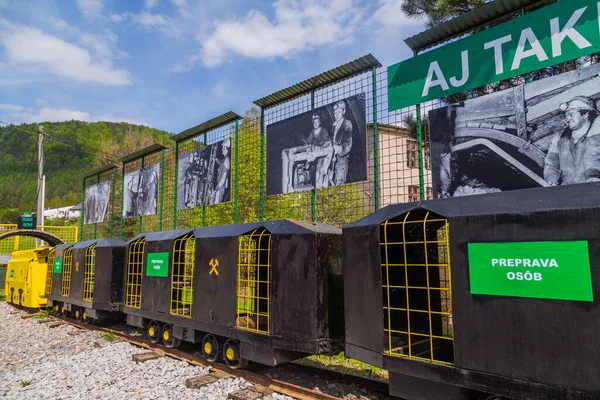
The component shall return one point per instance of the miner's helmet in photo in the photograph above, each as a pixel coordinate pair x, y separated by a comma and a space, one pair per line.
227, 143
340, 104
580, 103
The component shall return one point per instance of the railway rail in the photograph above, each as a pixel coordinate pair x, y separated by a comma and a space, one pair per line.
258, 377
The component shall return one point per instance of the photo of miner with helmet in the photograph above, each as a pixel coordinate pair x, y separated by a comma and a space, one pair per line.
536, 134
574, 153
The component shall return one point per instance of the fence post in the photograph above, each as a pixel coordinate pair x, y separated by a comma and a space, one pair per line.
420, 145
203, 206
82, 216
162, 188
236, 173
375, 142
262, 166
175, 185
95, 223
122, 200
112, 210
141, 218
313, 192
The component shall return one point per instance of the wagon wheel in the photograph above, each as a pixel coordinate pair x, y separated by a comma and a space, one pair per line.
63, 310
153, 332
232, 355
86, 318
167, 337
78, 314
210, 348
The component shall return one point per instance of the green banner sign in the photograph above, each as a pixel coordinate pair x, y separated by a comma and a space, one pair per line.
58, 265
157, 264
544, 270
554, 34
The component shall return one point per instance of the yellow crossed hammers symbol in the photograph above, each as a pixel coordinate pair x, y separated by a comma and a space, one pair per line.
214, 263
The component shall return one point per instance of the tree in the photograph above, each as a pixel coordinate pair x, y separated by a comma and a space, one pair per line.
438, 11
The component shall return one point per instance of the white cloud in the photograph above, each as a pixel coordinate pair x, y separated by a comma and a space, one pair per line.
389, 16
182, 6
50, 114
32, 48
150, 4
90, 9
298, 26
149, 21
10, 107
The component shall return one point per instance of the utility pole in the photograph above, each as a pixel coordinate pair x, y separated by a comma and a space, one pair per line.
40, 188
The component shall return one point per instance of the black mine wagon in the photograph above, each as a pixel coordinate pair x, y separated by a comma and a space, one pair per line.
488, 294
85, 279
267, 292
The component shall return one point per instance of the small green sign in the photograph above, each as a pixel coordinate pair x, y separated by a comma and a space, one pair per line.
12, 273
157, 264
544, 270
58, 265
560, 32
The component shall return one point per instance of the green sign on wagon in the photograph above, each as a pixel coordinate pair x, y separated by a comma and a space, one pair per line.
544, 270
58, 262
551, 35
157, 264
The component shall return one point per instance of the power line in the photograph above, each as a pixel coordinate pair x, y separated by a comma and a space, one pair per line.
53, 139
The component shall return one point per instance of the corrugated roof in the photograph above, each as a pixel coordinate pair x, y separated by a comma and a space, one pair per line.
209, 125
99, 170
469, 21
143, 152
353, 68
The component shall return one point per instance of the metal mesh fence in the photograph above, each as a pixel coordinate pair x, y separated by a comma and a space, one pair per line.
393, 163
98, 186
209, 200
69, 234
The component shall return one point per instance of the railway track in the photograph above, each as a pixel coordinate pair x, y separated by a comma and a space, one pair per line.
259, 377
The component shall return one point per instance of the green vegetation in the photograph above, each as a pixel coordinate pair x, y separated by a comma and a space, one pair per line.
26, 383
108, 336
346, 365
90, 145
42, 314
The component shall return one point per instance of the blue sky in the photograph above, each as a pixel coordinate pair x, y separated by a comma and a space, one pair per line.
172, 64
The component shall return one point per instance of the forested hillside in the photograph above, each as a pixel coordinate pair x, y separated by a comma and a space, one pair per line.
89, 145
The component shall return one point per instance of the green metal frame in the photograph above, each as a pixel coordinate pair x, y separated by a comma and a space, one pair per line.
236, 173
261, 215
203, 129
375, 142
112, 192
82, 211
141, 154
331, 77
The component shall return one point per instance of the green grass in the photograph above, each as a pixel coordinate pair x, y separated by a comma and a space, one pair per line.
42, 314
108, 336
346, 365
26, 383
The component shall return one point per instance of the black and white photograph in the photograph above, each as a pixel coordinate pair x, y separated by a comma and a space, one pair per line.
141, 192
96, 203
319, 148
538, 134
204, 176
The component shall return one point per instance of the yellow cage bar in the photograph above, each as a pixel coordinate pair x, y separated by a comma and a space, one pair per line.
66, 272
182, 276
135, 268
88, 276
417, 289
49, 271
254, 282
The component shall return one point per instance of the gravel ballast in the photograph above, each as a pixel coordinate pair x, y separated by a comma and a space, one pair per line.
40, 362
